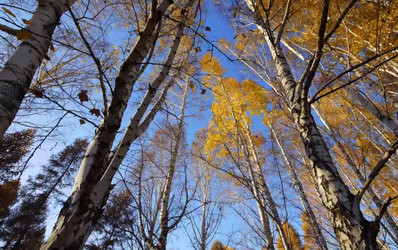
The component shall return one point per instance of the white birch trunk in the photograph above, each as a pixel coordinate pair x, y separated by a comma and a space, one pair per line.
303, 197
84, 206
373, 195
351, 228
17, 73
164, 209
258, 190
264, 190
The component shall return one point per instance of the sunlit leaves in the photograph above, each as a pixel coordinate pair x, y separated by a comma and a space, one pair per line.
211, 65
293, 238
234, 106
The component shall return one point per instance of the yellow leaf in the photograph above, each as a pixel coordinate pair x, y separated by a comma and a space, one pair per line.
192, 86
8, 11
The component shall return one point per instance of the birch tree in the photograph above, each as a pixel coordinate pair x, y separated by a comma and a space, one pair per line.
210, 196
343, 206
231, 133
158, 181
17, 73
101, 162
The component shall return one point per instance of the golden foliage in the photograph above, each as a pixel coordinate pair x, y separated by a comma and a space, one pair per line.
292, 236
217, 245
309, 235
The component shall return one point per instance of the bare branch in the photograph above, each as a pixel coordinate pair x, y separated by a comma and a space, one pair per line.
380, 165
285, 19
8, 30
314, 99
383, 210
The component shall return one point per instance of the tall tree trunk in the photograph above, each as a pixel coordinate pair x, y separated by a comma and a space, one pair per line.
90, 191
164, 209
386, 120
303, 197
259, 187
262, 210
373, 195
203, 238
263, 188
351, 228
17, 73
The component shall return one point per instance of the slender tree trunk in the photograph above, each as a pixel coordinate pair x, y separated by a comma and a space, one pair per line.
90, 191
17, 73
264, 190
203, 237
262, 210
303, 197
164, 210
258, 184
351, 228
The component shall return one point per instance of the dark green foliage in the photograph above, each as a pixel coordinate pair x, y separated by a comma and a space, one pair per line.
13, 147
24, 228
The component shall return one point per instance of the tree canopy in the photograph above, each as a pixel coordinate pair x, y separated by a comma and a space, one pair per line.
155, 124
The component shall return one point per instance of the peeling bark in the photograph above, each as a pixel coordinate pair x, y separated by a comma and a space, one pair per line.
17, 73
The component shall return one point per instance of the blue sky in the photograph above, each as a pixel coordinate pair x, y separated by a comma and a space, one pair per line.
71, 129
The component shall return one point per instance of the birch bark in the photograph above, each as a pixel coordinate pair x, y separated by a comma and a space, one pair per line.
164, 209
259, 187
17, 73
83, 208
303, 197
351, 228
